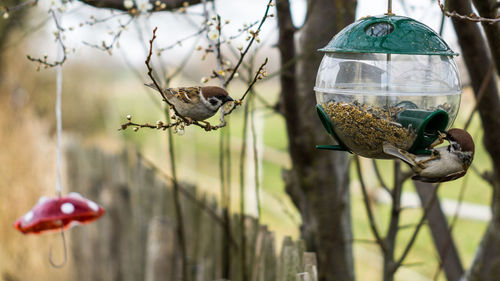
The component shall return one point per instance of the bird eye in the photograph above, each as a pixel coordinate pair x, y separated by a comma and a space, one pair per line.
456, 146
213, 102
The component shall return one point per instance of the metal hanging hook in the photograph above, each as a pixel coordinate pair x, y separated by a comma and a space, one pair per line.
65, 251
389, 8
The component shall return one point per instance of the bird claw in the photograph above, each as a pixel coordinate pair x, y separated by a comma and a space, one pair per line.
439, 140
208, 127
434, 155
188, 121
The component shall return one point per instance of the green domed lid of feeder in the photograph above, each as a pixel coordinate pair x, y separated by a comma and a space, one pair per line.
389, 34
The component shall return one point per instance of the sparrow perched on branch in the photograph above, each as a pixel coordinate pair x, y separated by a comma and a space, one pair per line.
445, 163
197, 103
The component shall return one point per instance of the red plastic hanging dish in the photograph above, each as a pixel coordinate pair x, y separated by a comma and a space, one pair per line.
52, 214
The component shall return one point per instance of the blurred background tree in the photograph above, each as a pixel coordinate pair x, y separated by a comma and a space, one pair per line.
9, 26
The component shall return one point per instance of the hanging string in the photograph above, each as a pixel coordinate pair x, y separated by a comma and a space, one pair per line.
59, 80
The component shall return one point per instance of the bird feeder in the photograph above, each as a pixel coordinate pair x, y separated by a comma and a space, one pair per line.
53, 214
384, 79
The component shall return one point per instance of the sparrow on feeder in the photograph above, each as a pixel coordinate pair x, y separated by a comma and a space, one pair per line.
445, 163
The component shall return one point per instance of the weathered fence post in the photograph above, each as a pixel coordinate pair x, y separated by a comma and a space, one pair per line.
160, 251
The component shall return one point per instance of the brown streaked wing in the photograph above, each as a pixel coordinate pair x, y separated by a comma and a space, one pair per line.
187, 94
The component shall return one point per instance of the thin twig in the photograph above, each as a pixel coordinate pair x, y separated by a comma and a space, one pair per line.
480, 94
395, 215
369, 212
179, 42
93, 20
159, 125
214, 47
379, 177
108, 47
410, 225
417, 229
255, 160
260, 74
178, 70
486, 175
265, 103
150, 74
60, 30
242, 31
358, 240
158, 6
227, 152
472, 17
411, 264
285, 209
242, 194
217, 46
451, 226
222, 175
255, 34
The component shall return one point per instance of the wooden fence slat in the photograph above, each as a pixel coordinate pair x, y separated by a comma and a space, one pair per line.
310, 265
160, 250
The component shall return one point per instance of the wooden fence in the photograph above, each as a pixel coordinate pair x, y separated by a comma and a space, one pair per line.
136, 239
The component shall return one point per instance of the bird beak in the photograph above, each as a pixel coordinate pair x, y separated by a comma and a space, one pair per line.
443, 136
228, 98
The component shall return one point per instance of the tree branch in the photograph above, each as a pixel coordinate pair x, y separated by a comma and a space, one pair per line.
108, 47
417, 229
254, 36
159, 5
379, 177
59, 39
471, 17
393, 229
260, 74
489, 9
480, 94
368, 209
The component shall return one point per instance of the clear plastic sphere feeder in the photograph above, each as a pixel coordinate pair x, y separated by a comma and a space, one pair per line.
386, 79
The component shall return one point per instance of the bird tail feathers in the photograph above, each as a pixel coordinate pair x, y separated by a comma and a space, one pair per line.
399, 153
152, 86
